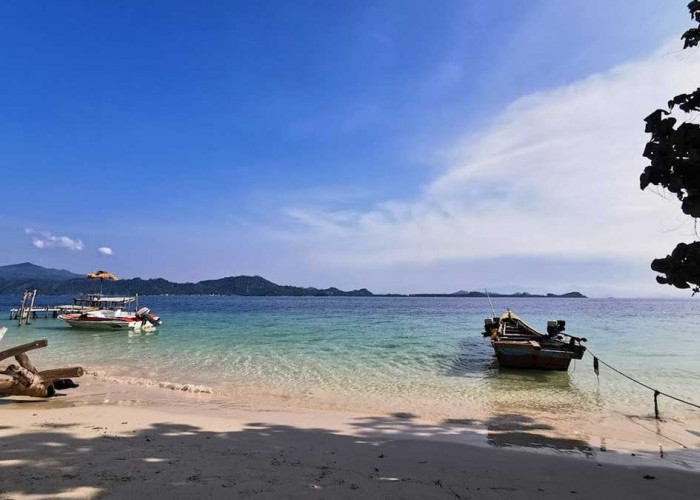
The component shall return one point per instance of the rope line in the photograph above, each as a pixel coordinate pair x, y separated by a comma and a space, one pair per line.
656, 391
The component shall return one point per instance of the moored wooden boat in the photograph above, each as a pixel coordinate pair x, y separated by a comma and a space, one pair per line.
518, 345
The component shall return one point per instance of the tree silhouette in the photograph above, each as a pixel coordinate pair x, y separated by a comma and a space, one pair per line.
674, 153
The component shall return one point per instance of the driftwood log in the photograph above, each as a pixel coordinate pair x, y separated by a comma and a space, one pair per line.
26, 380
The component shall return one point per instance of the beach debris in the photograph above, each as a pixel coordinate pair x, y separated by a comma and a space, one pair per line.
649, 476
26, 379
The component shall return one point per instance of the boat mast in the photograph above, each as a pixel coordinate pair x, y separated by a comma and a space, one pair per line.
490, 303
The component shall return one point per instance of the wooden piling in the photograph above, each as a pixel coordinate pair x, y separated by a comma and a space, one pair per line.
656, 404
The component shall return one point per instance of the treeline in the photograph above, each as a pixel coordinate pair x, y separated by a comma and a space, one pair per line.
235, 285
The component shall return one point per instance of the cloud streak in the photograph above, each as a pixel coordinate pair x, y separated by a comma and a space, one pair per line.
45, 239
555, 175
105, 251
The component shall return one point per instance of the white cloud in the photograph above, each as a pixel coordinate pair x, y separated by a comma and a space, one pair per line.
556, 174
44, 239
105, 251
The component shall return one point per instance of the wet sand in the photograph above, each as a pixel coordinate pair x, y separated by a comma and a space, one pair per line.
121, 441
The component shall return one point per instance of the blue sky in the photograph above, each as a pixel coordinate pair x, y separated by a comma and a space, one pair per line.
286, 139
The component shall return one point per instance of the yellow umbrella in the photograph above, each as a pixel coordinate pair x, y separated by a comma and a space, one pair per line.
102, 275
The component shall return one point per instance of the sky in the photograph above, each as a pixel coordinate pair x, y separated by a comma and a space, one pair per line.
403, 146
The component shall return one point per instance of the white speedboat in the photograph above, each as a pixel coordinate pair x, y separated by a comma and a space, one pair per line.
97, 312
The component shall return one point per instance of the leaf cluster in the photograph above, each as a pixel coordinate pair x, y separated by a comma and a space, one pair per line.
674, 154
681, 268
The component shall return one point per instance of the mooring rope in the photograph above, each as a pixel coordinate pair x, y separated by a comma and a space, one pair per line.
657, 392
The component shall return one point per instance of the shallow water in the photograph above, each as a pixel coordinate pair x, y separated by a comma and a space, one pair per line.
422, 355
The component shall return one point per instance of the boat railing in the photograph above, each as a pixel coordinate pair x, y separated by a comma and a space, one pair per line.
98, 301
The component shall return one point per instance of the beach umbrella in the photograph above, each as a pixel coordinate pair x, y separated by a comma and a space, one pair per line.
102, 275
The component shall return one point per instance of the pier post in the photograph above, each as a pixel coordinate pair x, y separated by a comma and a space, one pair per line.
656, 404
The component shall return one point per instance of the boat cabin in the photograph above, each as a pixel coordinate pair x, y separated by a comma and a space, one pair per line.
98, 301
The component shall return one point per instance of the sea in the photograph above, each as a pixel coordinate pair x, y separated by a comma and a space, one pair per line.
402, 354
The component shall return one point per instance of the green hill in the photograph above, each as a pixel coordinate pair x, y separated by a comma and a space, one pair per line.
27, 270
14, 279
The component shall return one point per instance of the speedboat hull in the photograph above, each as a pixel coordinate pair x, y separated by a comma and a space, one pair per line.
104, 322
110, 325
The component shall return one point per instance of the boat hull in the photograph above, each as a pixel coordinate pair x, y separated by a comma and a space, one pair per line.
87, 322
111, 325
511, 355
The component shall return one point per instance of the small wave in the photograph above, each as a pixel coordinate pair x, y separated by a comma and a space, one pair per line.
145, 382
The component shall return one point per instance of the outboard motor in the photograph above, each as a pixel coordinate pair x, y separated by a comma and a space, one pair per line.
490, 324
555, 327
145, 315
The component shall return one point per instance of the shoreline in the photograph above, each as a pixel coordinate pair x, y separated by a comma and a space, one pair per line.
119, 440
593, 423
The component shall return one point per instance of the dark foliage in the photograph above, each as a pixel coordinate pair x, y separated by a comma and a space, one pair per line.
674, 153
682, 267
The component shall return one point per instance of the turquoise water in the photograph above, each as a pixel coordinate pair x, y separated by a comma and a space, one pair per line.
411, 354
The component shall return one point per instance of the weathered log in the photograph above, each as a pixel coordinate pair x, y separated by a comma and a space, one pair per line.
13, 388
37, 344
21, 375
26, 379
57, 373
24, 362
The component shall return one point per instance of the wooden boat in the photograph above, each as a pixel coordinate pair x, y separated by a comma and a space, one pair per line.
518, 345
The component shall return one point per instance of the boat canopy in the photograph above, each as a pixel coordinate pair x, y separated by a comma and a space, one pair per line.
101, 302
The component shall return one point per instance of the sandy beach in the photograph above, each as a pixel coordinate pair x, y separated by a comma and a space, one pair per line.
362, 250
107, 440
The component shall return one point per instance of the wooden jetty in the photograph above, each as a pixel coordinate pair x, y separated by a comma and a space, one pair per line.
26, 380
27, 310
26, 306
44, 312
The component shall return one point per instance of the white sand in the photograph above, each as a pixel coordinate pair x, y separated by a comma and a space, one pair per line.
123, 441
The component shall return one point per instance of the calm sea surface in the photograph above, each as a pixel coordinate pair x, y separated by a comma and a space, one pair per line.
417, 354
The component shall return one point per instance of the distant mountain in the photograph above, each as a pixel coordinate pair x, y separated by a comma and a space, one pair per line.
19, 277
14, 279
463, 293
27, 270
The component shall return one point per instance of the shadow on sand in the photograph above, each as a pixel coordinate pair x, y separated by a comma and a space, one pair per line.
391, 456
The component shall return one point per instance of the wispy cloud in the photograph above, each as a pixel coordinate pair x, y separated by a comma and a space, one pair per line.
105, 251
45, 239
556, 174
